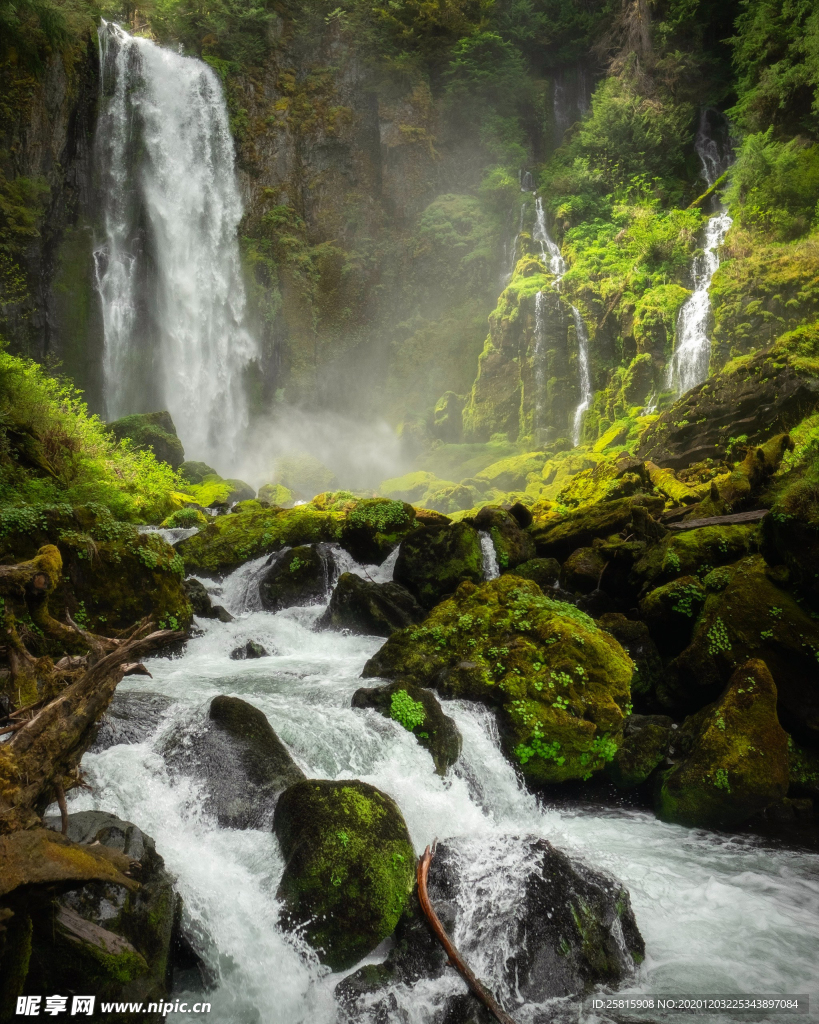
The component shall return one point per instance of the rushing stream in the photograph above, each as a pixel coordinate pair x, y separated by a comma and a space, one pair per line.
719, 913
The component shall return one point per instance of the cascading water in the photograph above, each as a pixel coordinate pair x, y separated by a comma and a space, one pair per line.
557, 265
491, 569
689, 364
719, 913
510, 251
168, 271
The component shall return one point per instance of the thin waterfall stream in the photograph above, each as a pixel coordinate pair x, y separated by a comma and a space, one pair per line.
719, 913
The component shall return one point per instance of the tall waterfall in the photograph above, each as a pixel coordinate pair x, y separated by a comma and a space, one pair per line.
168, 270
557, 265
689, 364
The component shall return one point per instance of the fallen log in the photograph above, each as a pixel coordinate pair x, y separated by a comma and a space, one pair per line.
739, 517
455, 958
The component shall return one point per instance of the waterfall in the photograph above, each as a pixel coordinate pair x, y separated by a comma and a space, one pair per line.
689, 364
510, 251
550, 254
168, 270
491, 569
540, 355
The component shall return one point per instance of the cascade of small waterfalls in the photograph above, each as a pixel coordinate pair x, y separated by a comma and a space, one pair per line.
557, 265
168, 270
689, 364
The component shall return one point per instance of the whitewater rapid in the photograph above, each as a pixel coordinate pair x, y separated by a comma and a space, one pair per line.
719, 913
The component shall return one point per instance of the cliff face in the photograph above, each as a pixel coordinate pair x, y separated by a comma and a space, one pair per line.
46, 179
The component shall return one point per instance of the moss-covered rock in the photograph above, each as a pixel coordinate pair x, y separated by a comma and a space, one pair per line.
557, 535
752, 615
201, 604
419, 712
154, 431
733, 756
582, 570
513, 545
670, 611
349, 866
635, 639
645, 744
803, 771
241, 762
432, 561
543, 571
303, 475
215, 491
693, 553
371, 609
195, 472
276, 494
791, 534
298, 576
374, 527
560, 684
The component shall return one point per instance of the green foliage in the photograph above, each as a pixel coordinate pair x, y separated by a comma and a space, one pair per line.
485, 69
408, 712
380, 515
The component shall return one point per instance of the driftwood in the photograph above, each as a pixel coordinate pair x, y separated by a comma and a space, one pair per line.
455, 957
738, 517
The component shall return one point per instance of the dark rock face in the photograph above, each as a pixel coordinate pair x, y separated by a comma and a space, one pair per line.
437, 732
750, 400
243, 763
512, 544
249, 651
543, 571
375, 527
103, 938
582, 570
434, 560
152, 430
299, 576
645, 744
130, 718
569, 927
201, 603
350, 866
372, 609
635, 639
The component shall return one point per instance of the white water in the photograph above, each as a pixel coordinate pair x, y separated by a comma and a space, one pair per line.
491, 569
171, 534
557, 265
719, 914
168, 271
689, 364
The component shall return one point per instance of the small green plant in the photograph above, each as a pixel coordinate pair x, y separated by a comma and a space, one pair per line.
406, 711
298, 563
718, 638
671, 562
720, 721
721, 780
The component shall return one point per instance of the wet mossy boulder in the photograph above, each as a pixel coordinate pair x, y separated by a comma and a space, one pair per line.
670, 612
250, 651
557, 536
692, 553
374, 527
432, 561
646, 739
560, 684
349, 866
582, 570
543, 571
370, 609
243, 765
277, 494
297, 576
419, 712
733, 756
153, 431
195, 472
791, 535
635, 639
105, 938
201, 604
752, 614
513, 545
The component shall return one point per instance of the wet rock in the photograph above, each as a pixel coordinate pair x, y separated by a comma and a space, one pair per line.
349, 866
543, 571
418, 710
201, 603
670, 612
561, 685
645, 744
154, 431
130, 718
298, 576
195, 472
635, 639
375, 527
103, 938
242, 762
791, 536
432, 561
370, 609
513, 545
733, 756
582, 570
249, 651
559, 537
567, 928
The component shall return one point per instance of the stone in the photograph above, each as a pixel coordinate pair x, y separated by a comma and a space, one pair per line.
249, 651
154, 431
559, 537
298, 576
434, 730
369, 609
635, 639
349, 866
543, 571
132, 717
513, 545
201, 603
432, 561
645, 744
582, 570
241, 761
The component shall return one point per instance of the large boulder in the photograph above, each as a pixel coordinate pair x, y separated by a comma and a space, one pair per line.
582, 570
513, 545
670, 612
154, 431
132, 717
543, 571
432, 561
560, 684
201, 603
374, 527
298, 576
370, 609
564, 929
557, 536
349, 866
733, 756
791, 535
646, 740
418, 711
241, 761
635, 639
104, 938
